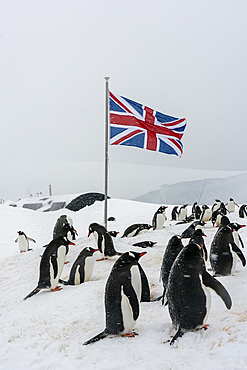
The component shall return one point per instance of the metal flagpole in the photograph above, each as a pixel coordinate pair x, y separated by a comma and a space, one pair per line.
106, 145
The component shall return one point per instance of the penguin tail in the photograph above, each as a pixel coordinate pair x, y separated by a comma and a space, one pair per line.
101, 335
35, 291
63, 282
178, 334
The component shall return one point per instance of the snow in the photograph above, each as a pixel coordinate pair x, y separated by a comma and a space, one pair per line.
47, 331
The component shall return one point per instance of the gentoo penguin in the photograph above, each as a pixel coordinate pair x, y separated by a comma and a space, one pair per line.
231, 205
144, 244
216, 205
122, 297
237, 238
51, 265
111, 218
197, 238
23, 241
197, 211
224, 253
182, 213
136, 229
174, 214
243, 211
216, 217
104, 241
187, 233
113, 233
172, 250
206, 213
188, 292
159, 218
193, 209
59, 228
223, 209
82, 268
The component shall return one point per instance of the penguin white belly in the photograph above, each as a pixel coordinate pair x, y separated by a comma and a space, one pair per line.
88, 267
23, 243
136, 281
102, 247
77, 279
231, 207
208, 300
159, 221
131, 234
182, 215
218, 220
236, 238
61, 253
127, 313
234, 260
207, 215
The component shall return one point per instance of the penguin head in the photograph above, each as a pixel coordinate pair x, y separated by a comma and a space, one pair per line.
235, 226
20, 232
93, 227
225, 230
193, 251
88, 251
175, 240
198, 232
162, 209
224, 221
129, 259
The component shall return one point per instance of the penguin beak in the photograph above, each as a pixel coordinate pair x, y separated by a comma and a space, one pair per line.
71, 243
95, 250
142, 254
243, 226
204, 234
89, 234
75, 231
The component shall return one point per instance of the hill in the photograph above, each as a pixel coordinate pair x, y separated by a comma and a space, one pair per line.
206, 190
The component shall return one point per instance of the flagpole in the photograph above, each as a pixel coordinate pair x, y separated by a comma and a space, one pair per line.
106, 145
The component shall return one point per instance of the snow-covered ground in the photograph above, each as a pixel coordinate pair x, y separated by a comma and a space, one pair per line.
48, 330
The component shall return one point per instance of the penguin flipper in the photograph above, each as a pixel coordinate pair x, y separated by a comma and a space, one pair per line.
239, 253
219, 289
101, 335
145, 296
54, 264
31, 240
35, 291
131, 294
16, 240
241, 241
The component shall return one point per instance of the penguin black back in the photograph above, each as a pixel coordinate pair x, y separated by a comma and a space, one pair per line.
187, 301
172, 250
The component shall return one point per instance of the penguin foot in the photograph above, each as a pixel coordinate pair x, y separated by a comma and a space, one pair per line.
56, 289
130, 335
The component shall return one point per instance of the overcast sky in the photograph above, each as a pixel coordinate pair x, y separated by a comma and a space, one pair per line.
183, 58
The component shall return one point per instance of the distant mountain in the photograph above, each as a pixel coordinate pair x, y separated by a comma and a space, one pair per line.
204, 191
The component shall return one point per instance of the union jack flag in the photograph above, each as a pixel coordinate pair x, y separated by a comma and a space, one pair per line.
134, 124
